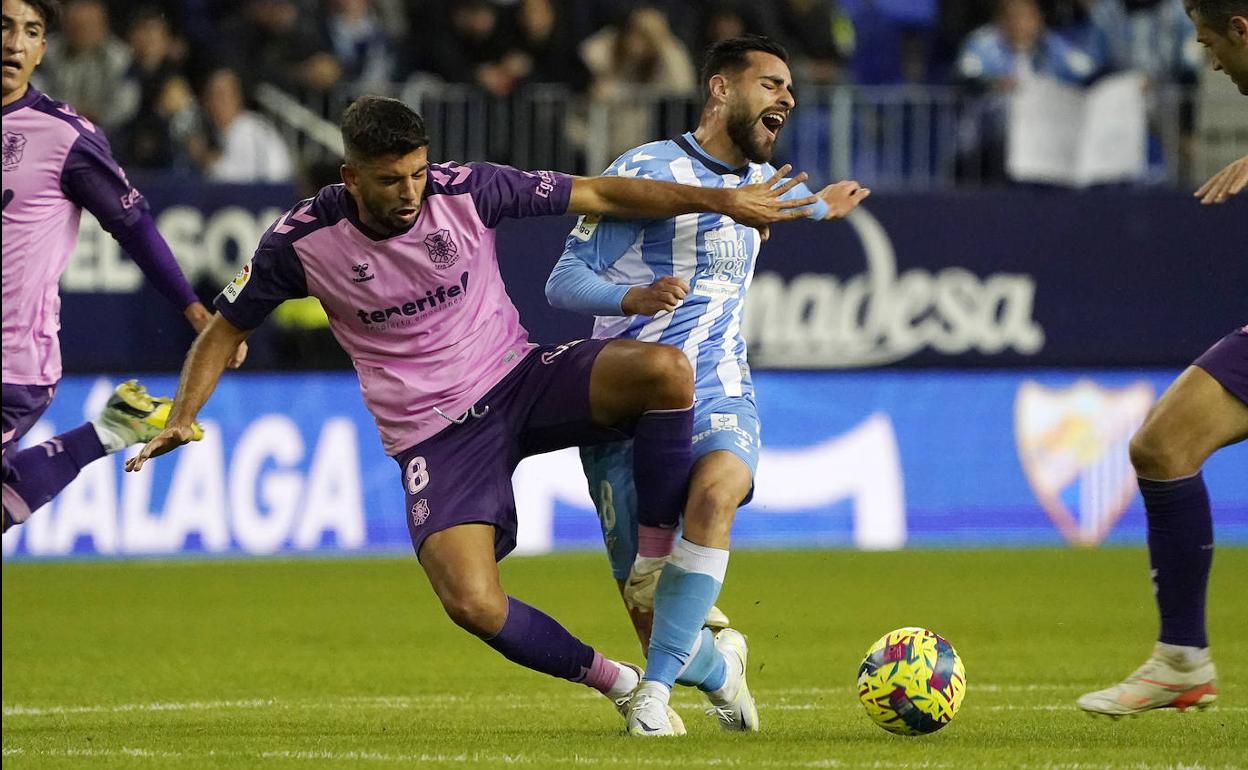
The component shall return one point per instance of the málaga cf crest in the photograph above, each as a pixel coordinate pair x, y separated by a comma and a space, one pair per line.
1072, 444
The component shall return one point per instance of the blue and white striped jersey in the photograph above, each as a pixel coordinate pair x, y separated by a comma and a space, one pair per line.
710, 251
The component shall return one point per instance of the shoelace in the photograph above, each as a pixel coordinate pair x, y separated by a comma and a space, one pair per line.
725, 714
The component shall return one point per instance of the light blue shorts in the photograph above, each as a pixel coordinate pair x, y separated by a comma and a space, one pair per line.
729, 423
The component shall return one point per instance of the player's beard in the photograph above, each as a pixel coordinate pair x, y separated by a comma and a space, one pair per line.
740, 126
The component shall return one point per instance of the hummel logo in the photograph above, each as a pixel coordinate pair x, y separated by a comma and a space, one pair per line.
362, 274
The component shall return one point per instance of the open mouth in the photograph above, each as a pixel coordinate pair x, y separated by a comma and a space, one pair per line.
773, 122
405, 212
12, 65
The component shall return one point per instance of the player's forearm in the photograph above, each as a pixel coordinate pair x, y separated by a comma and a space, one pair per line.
644, 198
143, 242
206, 360
574, 286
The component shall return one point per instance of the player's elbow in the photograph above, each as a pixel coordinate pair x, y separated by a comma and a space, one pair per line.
555, 292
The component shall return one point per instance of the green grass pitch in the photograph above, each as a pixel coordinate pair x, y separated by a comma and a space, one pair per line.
350, 663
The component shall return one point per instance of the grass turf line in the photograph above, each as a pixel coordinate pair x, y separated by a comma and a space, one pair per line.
351, 663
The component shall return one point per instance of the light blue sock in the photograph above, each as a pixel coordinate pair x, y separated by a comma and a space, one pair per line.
706, 669
687, 589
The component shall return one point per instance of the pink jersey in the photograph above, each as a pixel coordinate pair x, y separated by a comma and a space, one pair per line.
423, 314
55, 164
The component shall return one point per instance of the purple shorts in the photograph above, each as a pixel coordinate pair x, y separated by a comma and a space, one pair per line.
1227, 362
462, 474
22, 407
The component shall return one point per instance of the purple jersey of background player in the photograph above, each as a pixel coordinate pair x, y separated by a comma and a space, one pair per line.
423, 313
57, 163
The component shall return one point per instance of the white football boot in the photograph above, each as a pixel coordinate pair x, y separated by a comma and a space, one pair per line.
648, 712
732, 704
1171, 678
622, 705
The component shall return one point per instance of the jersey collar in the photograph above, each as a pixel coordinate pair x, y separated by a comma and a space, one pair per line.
27, 99
690, 145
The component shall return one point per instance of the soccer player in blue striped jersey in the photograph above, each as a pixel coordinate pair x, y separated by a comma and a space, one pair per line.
682, 281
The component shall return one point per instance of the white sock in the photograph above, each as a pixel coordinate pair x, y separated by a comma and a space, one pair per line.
112, 441
625, 682
655, 689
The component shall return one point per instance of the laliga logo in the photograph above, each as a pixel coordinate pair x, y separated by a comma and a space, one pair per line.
1072, 444
879, 317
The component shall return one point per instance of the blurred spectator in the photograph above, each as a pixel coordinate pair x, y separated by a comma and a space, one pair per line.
818, 36
590, 16
274, 43
155, 138
87, 66
639, 53
545, 37
1151, 36
477, 48
161, 135
726, 20
360, 43
245, 147
1016, 46
994, 59
632, 64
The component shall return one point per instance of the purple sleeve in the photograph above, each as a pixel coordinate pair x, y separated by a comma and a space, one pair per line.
503, 191
94, 181
273, 275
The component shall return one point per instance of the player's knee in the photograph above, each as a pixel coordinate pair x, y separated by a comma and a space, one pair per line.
1154, 456
670, 376
480, 612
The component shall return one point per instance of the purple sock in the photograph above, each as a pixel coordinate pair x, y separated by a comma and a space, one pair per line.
43, 471
1180, 550
662, 460
535, 640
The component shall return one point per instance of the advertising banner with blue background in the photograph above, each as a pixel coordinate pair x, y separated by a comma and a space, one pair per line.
878, 460
987, 278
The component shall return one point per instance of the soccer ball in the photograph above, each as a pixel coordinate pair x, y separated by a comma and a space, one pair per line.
911, 682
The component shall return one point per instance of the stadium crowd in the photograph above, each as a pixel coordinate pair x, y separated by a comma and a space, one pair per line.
171, 80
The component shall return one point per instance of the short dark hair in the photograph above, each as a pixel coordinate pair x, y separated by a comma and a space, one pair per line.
1218, 13
732, 55
48, 10
375, 126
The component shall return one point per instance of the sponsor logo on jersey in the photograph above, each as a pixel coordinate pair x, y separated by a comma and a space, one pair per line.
585, 227
1072, 445
395, 315
235, 287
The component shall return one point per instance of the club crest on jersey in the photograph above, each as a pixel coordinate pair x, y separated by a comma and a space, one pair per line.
420, 511
1072, 445
442, 250
14, 148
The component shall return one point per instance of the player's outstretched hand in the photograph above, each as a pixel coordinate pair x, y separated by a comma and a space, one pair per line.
1227, 182
843, 197
664, 294
759, 204
167, 440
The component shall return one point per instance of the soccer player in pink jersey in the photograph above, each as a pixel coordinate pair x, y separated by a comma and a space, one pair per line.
1205, 409
402, 256
56, 163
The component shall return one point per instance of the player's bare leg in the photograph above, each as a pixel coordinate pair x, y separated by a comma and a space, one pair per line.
459, 562
1194, 417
